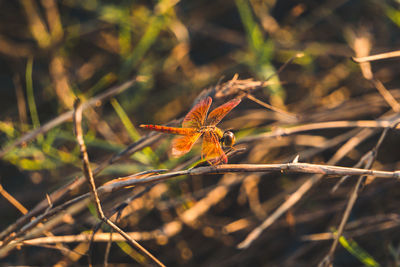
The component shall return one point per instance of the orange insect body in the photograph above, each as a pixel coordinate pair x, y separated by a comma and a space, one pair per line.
195, 125
170, 130
182, 131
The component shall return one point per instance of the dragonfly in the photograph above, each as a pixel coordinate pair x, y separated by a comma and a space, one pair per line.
196, 124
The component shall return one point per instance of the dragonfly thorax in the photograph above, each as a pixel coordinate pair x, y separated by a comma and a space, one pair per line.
214, 129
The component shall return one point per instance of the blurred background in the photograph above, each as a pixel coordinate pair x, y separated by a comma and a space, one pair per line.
52, 52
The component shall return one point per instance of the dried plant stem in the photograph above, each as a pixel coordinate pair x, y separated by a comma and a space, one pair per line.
268, 106
389, 98
361, 46
377, 57
383, 123
12, 200
293, 168
83, 237
360, 227
87, 171
89, 177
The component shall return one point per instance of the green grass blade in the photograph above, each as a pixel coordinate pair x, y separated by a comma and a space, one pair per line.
148, 155
158, 22
357, 251
128, 250
148, 38
253, 32
132, 132
105, 81
30, 95
261, 50
393, 15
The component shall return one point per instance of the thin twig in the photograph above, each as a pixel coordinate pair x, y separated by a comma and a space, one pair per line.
323, 125
90, 179
82, 237
377, 57
368, 225
109, 243
281, 68
357, 165
389, 98
12, 200
268, 106
378, 224
362, 45
87, 170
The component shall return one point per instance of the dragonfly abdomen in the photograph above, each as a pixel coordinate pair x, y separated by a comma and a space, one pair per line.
166, 129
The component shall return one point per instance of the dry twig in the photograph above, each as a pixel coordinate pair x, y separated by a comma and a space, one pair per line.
377, 57
90, 179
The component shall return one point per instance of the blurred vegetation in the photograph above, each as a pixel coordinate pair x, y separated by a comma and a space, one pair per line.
53, 52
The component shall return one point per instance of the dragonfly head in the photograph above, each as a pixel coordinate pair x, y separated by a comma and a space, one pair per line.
228, 139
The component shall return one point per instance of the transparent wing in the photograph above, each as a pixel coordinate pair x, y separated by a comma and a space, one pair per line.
196, 117
211, 150
219, 113
182, 145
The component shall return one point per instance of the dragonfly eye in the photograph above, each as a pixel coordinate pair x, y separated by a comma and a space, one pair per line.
228, 139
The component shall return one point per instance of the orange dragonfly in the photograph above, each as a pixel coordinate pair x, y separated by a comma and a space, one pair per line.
196, 124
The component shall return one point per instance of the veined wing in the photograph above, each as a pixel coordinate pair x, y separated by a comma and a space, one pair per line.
182, 145
171, 130
211, 150
219, 113
196, 117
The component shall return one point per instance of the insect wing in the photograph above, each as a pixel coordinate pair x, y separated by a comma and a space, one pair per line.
196, 117
182, 145
212, 150
220, 112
